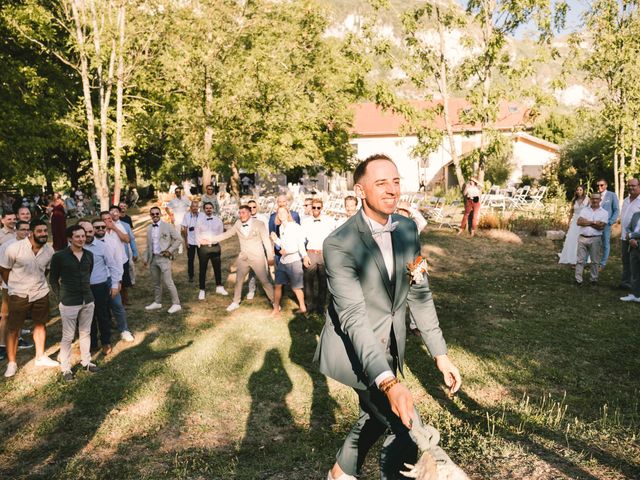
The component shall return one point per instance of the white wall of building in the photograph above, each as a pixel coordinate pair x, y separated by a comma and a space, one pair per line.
527, 158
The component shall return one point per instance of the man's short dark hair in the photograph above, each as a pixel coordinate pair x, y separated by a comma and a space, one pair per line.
72, 229
23, 207
207, 203
155, 208
350, 197
117, 207
96, 220
19, 223
245, 207
7, 212
36, 222
104, 212
603, 180
252, 201
361, 169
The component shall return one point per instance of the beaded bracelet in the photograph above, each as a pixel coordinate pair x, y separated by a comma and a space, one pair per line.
386, 385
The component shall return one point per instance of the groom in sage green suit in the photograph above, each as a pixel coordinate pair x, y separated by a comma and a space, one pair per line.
362, 344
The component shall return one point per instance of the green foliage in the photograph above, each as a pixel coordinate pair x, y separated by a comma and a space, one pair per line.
496, 157
557, 128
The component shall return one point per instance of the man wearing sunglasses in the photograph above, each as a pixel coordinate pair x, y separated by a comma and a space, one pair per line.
609, 203
163, 242
316, 228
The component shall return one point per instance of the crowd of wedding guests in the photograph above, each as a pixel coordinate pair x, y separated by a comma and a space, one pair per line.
86, 270
91, 266
588, 240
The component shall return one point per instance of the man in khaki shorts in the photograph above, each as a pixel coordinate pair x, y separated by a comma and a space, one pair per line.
23, 269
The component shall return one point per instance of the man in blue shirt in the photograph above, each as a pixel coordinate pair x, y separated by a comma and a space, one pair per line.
608, 202
105, 267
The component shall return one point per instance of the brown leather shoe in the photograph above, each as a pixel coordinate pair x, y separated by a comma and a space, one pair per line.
106, 349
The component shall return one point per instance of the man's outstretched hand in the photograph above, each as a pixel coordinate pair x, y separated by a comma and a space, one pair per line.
450, 372
401, 403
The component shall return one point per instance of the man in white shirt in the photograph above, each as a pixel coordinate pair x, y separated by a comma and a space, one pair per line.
23, 269
22, 231
189, 223
592, 223
208, 227
177, 209
316, 228
630, 205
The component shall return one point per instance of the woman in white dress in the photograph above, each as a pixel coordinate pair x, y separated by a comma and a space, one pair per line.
569, 253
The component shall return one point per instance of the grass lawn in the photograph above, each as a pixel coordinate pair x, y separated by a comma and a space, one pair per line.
551, 377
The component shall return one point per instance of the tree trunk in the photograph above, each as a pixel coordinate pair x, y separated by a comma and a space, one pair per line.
117, 150
208, 131
235, 179
444, 93
634, 146
206, 177
99, 170
131, 172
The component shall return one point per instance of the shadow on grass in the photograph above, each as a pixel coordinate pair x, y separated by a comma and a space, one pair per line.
304, 333
86, 403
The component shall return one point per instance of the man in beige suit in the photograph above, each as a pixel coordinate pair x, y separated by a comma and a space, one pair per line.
163, 241
256, 252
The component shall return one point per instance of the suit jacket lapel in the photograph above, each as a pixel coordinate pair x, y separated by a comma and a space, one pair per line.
398, 262
367, 239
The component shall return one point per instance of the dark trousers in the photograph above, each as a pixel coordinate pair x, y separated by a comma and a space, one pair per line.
191, 256
376, 419
206, 254
634, 264
101, 319
313, 275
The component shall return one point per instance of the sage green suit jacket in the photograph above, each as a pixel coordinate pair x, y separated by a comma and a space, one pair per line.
355, 342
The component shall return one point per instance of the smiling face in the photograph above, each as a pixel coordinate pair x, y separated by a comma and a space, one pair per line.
379, 190
580, 192
316, 209
244, 214
88, 230
350, 207
78, 238
602, 186
283, 214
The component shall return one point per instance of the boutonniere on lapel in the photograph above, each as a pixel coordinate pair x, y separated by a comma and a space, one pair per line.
417, 270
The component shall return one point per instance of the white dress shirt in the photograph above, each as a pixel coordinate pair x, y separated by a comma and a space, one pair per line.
384, 242
292, 242
155, 238
628, 209
116, 245
207, 229
317, 229
591, 215
245, 227
179, 207
191, 221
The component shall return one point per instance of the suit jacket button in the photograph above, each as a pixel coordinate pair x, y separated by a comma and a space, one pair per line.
383, 340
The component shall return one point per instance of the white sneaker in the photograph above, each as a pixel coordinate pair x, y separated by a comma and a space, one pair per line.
630, 298
45, 361
221, 291
174, 308
12, 368
201, 295
233, 306
126, 336
153, 306
251, 294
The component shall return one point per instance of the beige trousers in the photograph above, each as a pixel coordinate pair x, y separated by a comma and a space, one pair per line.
160, 268
259, 268
588, 247
70, 316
